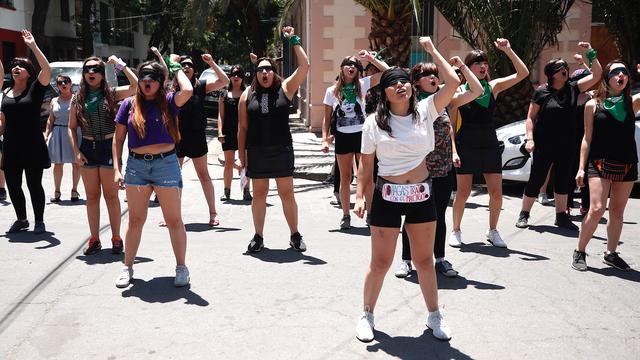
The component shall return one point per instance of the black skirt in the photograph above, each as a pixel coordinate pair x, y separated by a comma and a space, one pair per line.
267, 162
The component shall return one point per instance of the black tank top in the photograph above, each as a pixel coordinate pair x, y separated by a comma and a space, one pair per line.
612, 139
230, 124
478, 127
268, 118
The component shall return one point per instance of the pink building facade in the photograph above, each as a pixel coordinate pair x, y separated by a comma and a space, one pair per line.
333, 29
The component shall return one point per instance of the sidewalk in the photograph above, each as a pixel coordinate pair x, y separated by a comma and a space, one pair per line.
521, 302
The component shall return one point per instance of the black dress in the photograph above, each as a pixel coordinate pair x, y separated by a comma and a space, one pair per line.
476, 140
192, 122
24, 145
230, 123
269, 141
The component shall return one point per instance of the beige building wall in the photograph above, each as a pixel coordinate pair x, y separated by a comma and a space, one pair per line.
338, 28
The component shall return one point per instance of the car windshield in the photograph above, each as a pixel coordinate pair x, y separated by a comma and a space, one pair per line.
75, 73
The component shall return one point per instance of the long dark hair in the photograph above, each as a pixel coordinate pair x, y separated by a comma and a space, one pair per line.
383, 114
424, 67
277, 79
137, 107
337, 91
28, 65
477, 55
237, 68
109, 100
603, 89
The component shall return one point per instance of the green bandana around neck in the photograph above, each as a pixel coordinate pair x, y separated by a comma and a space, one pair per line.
93, 100
423, 95
484, 99
349, 93
616, 107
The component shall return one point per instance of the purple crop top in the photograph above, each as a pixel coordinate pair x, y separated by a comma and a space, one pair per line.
155, 130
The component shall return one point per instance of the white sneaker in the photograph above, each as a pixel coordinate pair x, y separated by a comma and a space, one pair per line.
124, 279
493, 236
404, 270
436, 323
455, 239
543, 199
182, 276
364, 330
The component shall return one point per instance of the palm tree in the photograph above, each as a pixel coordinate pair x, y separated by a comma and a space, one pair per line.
530, 26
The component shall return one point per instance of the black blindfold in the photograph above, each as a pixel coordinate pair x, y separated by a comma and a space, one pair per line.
393, 76
150, 74
356, 64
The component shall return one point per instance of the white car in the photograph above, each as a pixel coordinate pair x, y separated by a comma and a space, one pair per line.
516, 164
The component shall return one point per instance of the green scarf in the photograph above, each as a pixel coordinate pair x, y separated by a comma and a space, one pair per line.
171, 66
349, 93
423, 95
93, 100
484, 99
615, 106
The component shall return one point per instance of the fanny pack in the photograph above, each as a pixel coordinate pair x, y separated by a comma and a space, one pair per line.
611, 169
404, 193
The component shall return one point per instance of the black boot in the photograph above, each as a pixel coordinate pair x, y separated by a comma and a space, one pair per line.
227, 195
563, 221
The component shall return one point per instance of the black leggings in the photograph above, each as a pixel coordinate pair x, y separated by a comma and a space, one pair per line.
441, 192
34, 183
562, 162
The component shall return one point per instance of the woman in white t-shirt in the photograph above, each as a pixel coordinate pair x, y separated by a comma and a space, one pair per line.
401, 135
344, 115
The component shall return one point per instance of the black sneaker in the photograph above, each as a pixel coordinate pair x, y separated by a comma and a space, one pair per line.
246, 195
18, 225
3, 194
256, 244
116, 245
579, 260
226, 196
93, 246
563, 221
297, 243
39, 227
523, 220
612, 259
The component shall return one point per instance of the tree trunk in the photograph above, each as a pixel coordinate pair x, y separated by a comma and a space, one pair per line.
86, 28
38, 20
392, 36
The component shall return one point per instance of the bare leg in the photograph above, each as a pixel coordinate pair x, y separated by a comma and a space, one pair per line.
494, 186
345, 165
111, 198
138, 200
289, 205
598, 191
75, 171
259, 204
200, 164
620, 192
464, 191
91, 181
422, 237
383, 246
229, 160
58, 170
172, 212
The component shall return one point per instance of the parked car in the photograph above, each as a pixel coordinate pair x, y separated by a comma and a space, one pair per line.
211, 99
516, 161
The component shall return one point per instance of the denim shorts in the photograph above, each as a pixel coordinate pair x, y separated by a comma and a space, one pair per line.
98, 153
160, 172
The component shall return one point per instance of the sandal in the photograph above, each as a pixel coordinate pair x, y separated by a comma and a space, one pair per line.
212, 219
162, 223
56, 197
75, 196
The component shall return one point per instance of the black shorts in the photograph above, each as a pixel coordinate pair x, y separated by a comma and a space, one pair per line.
348, 143
268, 162
479, 160
631, 175
193, 144
230, 143
389, 214
98, 153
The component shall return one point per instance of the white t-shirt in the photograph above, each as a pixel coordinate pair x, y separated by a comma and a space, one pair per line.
351, 116
410, 144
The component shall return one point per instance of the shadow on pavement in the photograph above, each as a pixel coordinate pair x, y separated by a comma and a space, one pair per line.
285, 256
28, 237
354, 230
632, 275
237, 202
471, 205
161, 290
552, 229
456, 283
201, 227
69, 203
424, 346
105, 256
486, 249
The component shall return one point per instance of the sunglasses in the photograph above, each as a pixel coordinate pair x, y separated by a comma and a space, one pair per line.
267, 68
63, 82
20, 64
424, 74
237, 74
93, 69
187, 65
618, 71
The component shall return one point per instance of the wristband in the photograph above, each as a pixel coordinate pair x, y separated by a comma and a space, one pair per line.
120, 65
294, 40
591, 55
464, 66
